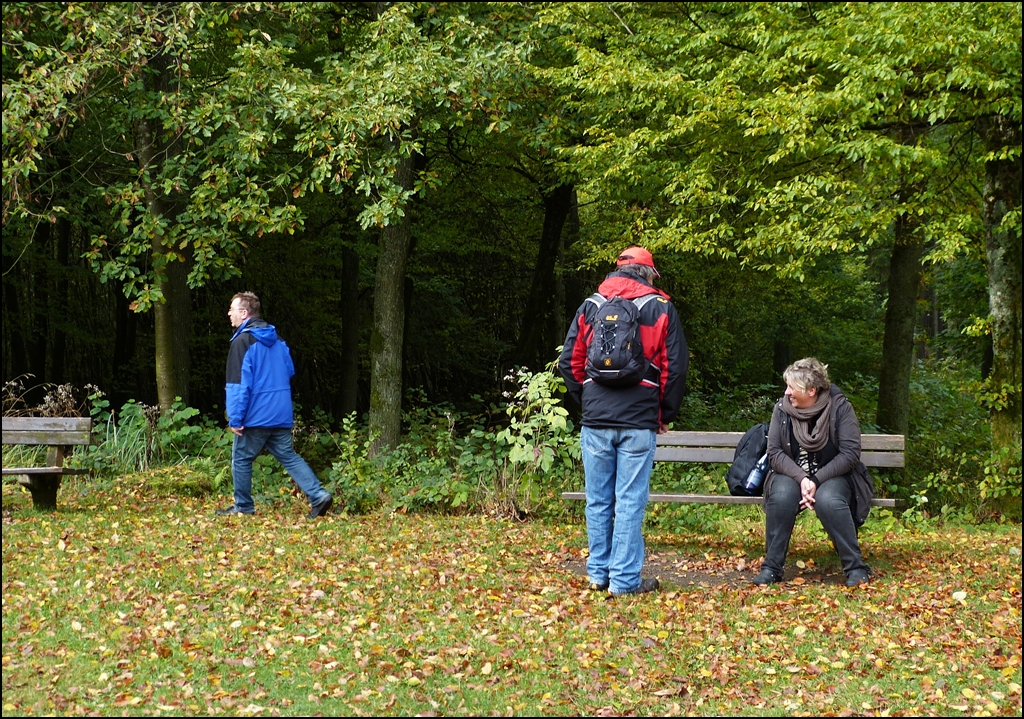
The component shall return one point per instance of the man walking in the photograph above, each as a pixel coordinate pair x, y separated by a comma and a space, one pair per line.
628, 397
259, 407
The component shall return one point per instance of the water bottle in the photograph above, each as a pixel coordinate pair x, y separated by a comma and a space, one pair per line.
756, 476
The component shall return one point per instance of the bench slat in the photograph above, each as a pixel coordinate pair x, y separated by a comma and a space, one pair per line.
42, 470
725, 456
53, 431
70, 424
716, 499
881, 442
891, 442
693, 454
882, 459
699, 439
42, 436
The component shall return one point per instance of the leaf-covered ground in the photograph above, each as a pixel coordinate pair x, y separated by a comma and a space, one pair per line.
123, 604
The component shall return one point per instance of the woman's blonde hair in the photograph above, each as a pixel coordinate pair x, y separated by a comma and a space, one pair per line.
806, 373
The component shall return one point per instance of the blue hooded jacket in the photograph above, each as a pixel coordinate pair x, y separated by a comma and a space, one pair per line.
258, 380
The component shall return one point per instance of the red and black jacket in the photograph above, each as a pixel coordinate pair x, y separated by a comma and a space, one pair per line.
641, 406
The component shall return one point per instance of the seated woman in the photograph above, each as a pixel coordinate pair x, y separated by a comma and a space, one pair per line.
814, 456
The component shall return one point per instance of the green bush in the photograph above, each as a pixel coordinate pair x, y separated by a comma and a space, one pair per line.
454, 462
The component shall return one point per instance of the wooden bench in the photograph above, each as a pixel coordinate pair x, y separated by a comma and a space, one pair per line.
877, 450
60, 434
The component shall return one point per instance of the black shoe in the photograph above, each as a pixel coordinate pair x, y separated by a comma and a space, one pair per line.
233, 509
646, 585
320, 510
765, 578
595, 587
857, 577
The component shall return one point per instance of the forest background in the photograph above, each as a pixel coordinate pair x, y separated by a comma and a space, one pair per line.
422, 194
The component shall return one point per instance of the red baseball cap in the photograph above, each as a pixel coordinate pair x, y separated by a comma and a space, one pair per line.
636, 256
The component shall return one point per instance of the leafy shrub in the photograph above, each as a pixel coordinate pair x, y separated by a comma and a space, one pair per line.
734, 410
949, 439
353, 478
504, 470
139, 437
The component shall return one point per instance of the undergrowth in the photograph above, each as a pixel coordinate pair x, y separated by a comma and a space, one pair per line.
514, 460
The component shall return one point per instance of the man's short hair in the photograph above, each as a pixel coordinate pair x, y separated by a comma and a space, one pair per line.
249, 302
641, 272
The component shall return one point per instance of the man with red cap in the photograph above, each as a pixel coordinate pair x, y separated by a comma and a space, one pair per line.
623, 410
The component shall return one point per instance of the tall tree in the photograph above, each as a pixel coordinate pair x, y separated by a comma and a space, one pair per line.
780, 134
170, 131
409, 72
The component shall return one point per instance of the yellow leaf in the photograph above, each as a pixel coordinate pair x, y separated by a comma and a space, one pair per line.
968, 693
486, 669
800, 630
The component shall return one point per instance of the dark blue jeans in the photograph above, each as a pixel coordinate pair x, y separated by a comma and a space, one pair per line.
277, 441
832, 505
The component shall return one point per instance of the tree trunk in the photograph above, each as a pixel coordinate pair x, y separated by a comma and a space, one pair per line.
179, 301
389, 321
13, 322
573, 285
125, 331
171, 315
59, 302
349, 360
900, 318
530, 349
39, 305
408, 380
1003, 251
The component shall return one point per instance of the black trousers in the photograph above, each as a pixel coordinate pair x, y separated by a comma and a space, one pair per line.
832, 505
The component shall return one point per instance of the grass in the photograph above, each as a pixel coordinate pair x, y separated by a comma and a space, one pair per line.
127, 603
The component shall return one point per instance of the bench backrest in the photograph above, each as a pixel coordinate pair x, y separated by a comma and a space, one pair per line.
47, 430
877, 450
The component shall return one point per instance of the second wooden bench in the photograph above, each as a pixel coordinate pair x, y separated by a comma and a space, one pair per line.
877, 451
59, 434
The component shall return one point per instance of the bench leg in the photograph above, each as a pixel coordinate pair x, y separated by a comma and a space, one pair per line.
43, 488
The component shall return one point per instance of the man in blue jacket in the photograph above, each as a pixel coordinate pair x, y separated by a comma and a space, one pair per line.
259, 407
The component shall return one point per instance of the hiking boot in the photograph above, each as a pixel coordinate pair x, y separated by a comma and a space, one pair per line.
765, 577
595, 587
857, 577
320, 510
646, 585
233, 509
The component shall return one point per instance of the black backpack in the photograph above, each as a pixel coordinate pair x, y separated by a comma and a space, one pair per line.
752, 446
615, 356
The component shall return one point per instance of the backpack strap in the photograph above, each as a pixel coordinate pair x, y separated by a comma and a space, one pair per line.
597, 298
641, 301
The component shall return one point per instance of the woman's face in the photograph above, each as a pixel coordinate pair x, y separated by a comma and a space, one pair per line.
801, 398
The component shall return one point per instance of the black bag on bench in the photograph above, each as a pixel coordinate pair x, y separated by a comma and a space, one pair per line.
752, 446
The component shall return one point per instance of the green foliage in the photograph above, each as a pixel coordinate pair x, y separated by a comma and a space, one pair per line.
1002, 481
352, 478
949, 441
139, 437
763, 151
511, 471
732, 409
541, 445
